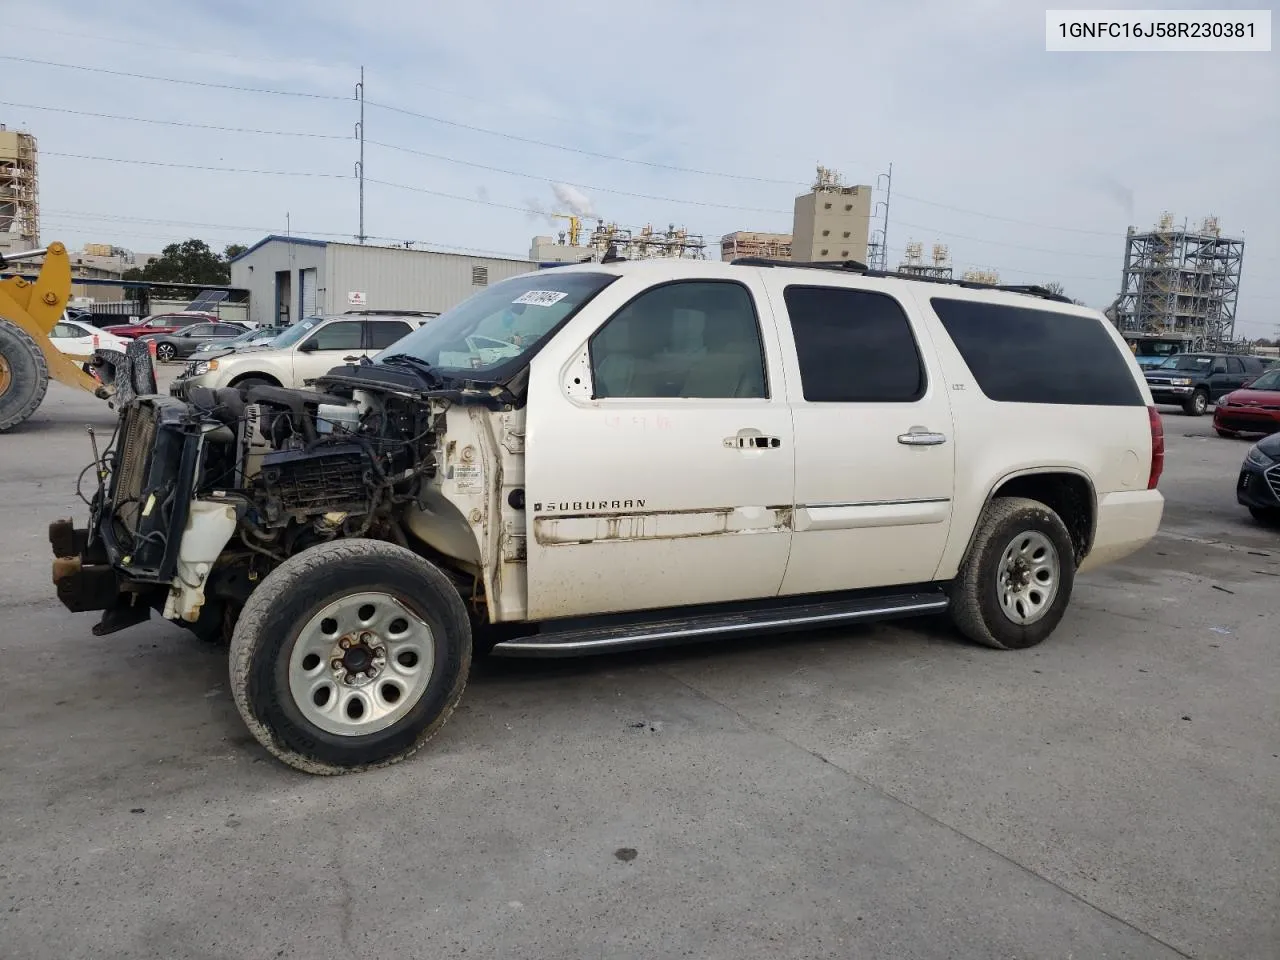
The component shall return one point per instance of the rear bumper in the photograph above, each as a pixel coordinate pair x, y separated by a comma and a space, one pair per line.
1127, 522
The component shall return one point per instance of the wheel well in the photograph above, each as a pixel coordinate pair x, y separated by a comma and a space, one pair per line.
1069, 495
235, 381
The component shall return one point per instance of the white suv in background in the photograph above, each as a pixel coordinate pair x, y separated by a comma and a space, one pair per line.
306, 350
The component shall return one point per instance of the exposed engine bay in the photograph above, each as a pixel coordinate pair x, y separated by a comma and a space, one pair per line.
198, 498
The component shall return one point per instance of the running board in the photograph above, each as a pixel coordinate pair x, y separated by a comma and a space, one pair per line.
611, 637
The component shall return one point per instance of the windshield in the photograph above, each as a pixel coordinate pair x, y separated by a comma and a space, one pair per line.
1268, 381
1187, 362
502, 323
296, 332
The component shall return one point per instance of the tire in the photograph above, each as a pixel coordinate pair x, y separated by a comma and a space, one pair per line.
24, 376
165, 352
1268, 516
976, 607
1197, 404
1229, 434
284, 622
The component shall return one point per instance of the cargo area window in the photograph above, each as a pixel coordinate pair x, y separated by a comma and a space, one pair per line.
1026, 355
854, 346
691, 339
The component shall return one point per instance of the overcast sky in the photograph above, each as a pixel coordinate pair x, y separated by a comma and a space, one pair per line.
1029, 162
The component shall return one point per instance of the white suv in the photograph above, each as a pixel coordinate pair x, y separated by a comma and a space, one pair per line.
603, 456
302, 352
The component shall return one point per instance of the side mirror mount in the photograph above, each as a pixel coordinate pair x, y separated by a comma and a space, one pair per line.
308, 346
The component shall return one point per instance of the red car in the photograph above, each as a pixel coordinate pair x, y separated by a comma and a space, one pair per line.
161, 323
1254, 408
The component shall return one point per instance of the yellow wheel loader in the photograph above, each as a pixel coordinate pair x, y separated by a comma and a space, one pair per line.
28, 359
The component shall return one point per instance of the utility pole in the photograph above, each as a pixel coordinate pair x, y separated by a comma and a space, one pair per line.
360, 163
884, 228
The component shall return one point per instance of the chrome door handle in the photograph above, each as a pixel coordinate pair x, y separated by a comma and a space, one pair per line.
921, 438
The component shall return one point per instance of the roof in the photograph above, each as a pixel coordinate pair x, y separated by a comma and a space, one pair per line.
302, 241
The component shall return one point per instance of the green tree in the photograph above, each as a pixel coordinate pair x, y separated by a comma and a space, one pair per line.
188, 262
232, 251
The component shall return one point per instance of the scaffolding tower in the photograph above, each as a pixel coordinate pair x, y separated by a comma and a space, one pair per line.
914, 264
1180, 283
647, 243
19, 191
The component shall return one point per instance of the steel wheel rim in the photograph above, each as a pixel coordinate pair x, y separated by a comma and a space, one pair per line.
1028, 577
6, 376
371, 630
1200, 402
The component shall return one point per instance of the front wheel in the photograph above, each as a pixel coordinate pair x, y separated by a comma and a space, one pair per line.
1015, 584
1197, 404
350, 655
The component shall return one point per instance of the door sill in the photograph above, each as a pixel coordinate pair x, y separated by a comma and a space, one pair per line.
671, 627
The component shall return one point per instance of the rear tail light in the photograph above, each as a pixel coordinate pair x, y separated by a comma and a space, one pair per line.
1157, 447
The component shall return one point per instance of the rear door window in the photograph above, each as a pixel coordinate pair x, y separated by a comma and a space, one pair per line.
1025, 355
854, 346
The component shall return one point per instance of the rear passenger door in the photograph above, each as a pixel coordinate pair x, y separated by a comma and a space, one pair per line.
874, 450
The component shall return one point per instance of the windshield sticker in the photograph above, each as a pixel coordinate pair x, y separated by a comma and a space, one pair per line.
540, 298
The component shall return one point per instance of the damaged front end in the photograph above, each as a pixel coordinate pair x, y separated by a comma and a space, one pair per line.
198, 499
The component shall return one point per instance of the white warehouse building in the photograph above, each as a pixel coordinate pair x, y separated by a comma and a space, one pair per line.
292, 277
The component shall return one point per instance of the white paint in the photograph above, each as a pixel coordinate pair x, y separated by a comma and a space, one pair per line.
210, 525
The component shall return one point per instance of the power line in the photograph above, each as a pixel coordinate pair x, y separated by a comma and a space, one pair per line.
583, 186
177, 123
199, 166
992, 216
585, 153
190, 83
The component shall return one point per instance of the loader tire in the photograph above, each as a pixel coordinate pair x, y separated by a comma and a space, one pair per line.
24, 376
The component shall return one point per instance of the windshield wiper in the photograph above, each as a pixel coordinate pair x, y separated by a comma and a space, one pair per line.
422, 366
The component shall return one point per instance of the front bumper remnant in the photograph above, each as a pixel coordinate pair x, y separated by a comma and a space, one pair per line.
85, 580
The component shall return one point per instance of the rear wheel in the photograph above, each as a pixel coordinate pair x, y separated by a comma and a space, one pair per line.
1197, 404
165, 352
1014, 586
350, 655
24, 376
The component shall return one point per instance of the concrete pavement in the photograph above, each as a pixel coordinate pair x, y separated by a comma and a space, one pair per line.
886, 792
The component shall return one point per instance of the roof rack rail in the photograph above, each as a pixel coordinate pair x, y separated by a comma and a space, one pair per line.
855, 266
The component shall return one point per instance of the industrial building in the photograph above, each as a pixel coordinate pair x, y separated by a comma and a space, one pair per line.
291, 277
914, 265
751, 243
830, 222
1180, 283
19, 191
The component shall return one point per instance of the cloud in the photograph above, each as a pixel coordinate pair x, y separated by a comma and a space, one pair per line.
1028, 162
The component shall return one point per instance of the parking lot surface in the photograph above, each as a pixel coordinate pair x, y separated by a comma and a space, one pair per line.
883, 792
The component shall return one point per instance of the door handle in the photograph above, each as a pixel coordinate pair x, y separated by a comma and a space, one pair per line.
750, 439
917, 437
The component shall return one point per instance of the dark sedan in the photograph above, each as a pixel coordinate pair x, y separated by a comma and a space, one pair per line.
182, 343
1258, 486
